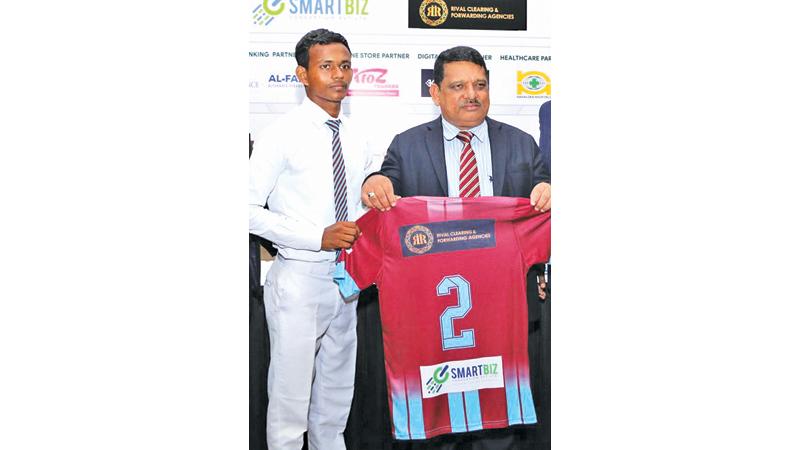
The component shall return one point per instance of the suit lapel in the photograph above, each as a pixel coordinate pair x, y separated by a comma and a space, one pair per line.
434, 141
499, 144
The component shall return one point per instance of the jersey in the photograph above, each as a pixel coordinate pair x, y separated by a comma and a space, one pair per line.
451, 274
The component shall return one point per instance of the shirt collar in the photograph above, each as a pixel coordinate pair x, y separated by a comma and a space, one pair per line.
450, 131
316, 115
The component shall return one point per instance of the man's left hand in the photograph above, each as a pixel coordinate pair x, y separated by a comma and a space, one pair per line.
540, 197
542, 285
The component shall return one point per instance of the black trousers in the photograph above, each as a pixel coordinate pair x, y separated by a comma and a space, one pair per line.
259, 353
369, 427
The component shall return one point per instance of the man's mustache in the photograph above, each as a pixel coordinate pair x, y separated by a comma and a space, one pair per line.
471, 102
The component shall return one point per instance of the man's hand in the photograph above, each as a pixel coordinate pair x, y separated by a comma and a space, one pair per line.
542, 285
540, 197
378, 192
340, 235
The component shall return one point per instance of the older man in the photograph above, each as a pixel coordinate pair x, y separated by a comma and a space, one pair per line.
464, 153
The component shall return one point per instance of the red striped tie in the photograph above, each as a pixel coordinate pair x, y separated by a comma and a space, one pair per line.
468, 181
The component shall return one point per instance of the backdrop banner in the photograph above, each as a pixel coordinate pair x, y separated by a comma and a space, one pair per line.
468, 14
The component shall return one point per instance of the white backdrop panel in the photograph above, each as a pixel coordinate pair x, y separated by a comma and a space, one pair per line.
388, 60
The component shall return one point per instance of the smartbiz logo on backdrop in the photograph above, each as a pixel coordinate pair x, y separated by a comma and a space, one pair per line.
269, 10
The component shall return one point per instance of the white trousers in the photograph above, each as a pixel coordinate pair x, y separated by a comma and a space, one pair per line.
312, 334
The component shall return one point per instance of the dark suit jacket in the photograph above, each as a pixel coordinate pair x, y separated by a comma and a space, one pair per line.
415, 161
415, 164
544, 130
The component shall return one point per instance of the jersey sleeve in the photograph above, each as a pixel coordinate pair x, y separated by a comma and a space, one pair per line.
533, 234
364, 260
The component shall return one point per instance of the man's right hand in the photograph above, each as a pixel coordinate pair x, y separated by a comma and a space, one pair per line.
378, 192
339, 235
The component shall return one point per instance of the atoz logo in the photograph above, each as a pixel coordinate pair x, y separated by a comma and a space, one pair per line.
433, 12
372, 82
439, 377
533, 83
369, 76
268, 10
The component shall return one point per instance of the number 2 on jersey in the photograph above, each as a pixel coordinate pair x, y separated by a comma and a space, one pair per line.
450, 340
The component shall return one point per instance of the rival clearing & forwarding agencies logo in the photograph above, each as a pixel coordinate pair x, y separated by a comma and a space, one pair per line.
450, 236
532, 84
268, 10
433, 12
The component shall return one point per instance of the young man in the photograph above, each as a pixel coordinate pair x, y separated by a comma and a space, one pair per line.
308, 167
464, 153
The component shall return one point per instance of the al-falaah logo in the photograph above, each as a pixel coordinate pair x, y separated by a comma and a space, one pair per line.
268, 10
532, 84
461, 376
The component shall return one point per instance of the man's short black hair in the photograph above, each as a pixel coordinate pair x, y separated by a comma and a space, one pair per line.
454, 54
320, 36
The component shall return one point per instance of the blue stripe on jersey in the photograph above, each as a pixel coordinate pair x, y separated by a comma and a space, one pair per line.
473, 402
528, 411
399, 415
456, 412
415, 410
512, 401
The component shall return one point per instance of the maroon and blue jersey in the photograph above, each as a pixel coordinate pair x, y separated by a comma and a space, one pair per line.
451, 274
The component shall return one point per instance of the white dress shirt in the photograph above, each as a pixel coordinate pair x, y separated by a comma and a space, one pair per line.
291, 169
452, 157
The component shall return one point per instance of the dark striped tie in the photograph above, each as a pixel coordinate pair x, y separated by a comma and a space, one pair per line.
468, 179
339, 174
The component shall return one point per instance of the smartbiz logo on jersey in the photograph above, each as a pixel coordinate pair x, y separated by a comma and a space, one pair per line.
268, 10
462, 376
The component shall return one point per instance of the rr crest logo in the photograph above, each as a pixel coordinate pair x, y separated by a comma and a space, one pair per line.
433, 12
419, 239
